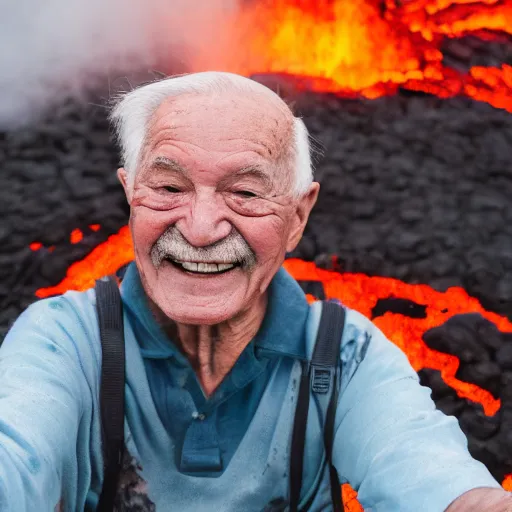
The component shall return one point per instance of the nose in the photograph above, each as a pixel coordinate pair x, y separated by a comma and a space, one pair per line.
204, 223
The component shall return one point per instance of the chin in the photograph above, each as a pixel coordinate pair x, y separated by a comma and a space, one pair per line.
192, 298
197, 315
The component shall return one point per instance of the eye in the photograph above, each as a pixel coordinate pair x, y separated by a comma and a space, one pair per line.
172, 190
245, 193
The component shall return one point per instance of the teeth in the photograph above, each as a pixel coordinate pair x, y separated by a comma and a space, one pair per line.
206, 268
189, 266
224, 266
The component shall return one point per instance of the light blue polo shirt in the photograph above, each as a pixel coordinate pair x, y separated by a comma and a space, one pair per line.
228, 452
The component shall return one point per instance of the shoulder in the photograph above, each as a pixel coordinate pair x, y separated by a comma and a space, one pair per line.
72, 309
66, 323
367, 352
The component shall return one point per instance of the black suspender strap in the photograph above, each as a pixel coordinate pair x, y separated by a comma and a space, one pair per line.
325, 362
110, 316
320, 377
299, 438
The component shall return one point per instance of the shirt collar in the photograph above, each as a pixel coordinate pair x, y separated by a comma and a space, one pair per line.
283, 328
281, 333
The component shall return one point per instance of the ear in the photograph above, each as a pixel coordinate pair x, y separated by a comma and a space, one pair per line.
302, 210
122, 176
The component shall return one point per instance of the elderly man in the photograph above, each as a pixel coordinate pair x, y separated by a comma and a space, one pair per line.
217, 173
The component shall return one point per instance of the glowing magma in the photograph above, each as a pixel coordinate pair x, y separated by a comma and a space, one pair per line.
368, 47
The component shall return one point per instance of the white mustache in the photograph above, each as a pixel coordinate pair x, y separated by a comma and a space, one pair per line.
173, 245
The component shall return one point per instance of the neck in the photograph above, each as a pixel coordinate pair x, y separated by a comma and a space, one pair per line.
214, 349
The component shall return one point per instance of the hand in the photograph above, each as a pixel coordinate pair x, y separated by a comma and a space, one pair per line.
484, 499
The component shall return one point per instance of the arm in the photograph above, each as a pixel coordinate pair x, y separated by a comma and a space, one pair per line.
483, 500
391, 444
41, 390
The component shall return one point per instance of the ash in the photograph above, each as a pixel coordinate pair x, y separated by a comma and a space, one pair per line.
132, 493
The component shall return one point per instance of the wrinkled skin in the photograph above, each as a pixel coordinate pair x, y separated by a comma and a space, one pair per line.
189, 177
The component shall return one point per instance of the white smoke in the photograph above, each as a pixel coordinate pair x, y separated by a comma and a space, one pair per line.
56, 48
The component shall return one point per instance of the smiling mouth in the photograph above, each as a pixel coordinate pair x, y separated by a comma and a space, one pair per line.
203, 268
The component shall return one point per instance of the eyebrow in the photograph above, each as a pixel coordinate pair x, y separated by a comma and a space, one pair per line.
168, 164
254, 171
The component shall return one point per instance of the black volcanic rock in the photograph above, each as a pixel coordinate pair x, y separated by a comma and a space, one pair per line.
462, 53
504, 356
484, 374
459, 337
433, 380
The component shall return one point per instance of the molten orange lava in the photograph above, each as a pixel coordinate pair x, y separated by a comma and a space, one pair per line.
76, 236
349, 498
370, 47
35, 246
507, 483
352, 505
104, 259
345, 42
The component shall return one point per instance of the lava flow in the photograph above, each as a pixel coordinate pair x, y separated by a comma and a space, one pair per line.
368, 48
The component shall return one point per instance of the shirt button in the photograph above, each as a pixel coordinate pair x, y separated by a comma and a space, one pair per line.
198, 416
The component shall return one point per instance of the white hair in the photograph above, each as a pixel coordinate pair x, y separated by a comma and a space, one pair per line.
133, 111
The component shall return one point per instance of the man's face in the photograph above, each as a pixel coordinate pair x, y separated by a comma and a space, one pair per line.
211, 211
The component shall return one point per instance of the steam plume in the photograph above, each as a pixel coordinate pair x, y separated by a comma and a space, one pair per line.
56, 48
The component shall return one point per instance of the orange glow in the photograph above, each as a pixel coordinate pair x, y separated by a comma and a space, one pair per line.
366, 48
310, 298
346, 42
76, 236
94, 227
35, 246
349, 497
104, 259
456, 17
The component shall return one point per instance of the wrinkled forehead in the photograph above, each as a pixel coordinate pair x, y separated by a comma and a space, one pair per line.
227, 121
